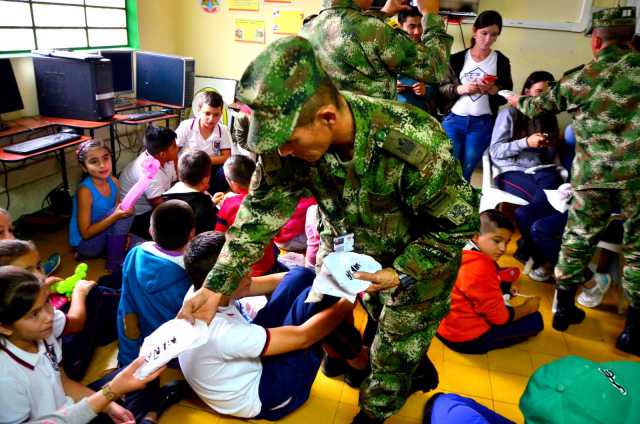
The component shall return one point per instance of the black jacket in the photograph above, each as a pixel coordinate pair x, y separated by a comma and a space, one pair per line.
447, 94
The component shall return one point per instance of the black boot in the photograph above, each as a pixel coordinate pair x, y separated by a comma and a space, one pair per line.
354, 377
363, 418
426, 376
629, 339
567, 313
333, 367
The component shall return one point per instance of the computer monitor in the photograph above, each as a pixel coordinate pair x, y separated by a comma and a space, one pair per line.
165, 79
10, 100
122, 68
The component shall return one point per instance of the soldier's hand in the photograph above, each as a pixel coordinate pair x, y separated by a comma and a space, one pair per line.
537, 140
384, 279
513, 100
202, 305
428, 6
419, 88
400, 87
393, 7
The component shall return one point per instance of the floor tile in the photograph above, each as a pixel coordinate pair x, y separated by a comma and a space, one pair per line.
480, 361
510, 360
414, 406
327, 388
509, 410
540, 359
483, 401
184, 415
344, 414
315, 410
436, 350
349, 395
464, 380
549, 341
507, 387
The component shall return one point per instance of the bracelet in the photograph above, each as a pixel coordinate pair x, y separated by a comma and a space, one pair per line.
108, 393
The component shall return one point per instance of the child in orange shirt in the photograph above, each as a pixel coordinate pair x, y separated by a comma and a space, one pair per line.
479, 320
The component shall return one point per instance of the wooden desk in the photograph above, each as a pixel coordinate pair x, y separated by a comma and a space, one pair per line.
14, 157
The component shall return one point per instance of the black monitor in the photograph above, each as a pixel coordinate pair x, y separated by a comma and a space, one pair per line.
122, 68
10, 99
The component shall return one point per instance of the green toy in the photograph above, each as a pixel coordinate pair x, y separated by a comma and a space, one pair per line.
67, 285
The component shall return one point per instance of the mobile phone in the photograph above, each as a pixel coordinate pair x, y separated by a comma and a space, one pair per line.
489, 79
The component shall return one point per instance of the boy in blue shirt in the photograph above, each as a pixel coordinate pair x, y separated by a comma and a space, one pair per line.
154, 281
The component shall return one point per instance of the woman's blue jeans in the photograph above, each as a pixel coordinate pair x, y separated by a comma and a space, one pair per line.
471, 135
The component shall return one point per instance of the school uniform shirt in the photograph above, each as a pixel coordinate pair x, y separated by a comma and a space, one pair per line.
204, 210
189, 137
160, 183
225, 372
475, 104
154, 283
476, 300
30, 384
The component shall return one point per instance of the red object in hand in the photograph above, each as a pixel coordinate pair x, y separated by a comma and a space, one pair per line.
489, 79
509, 275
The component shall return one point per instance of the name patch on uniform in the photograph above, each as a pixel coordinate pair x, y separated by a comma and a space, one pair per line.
404, 148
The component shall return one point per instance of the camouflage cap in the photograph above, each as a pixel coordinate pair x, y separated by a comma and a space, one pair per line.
612, 17
276, 85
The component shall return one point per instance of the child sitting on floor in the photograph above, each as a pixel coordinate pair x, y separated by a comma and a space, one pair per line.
154, 281
159, 143
194, 170
479, 320
265, 367
98, 226
33, 387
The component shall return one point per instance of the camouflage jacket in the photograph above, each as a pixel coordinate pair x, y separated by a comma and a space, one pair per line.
402, 196
362, 54
605, 97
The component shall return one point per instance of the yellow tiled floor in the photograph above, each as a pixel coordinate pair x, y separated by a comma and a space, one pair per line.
496, 380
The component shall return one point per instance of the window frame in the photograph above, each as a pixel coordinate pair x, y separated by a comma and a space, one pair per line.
131, 16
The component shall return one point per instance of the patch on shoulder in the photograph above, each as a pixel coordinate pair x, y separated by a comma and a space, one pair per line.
403, 147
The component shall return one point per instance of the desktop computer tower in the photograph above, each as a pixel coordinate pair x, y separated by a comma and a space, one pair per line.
78, 87
165, 78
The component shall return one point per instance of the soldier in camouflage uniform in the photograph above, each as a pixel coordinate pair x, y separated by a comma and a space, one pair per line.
605, 96
362, 54
382, 172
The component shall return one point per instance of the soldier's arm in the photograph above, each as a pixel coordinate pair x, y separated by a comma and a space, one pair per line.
269, 204
560, 97
445, 207
426, 61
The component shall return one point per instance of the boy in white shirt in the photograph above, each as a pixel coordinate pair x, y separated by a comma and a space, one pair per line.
160, 143
265, 367
205, 132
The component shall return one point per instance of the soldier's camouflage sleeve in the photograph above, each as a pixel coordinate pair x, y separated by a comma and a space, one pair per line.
426, 61
562, 96
446, 208
268, 206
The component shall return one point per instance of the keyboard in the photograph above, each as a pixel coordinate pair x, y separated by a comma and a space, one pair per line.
146, 115
41, 143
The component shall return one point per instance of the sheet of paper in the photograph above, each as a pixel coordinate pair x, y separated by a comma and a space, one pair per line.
250, 30
287, 21
250, 5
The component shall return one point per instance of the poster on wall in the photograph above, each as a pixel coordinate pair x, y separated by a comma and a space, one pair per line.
250, 30
245, 5
211, 6
278, 1
287, 21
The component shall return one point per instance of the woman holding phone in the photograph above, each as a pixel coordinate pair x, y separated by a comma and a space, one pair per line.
469, 94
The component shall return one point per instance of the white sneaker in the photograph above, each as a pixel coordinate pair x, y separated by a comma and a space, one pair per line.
554, 304
592, 297
540, 274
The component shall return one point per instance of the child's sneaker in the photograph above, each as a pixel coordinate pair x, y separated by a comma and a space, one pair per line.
51, 264
592, 297
540, 273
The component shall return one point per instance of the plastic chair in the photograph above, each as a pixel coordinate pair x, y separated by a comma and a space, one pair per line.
492, 196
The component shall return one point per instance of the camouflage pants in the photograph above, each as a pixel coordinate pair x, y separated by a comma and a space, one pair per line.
588, 217
404, 334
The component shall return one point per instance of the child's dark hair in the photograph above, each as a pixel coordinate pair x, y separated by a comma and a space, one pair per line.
194, 166
172, 222
547, 123
201, 255
486, 19
206, 97
239, 169
10, 250
158, 139
406, 14
19, 290
536, 77
492, 219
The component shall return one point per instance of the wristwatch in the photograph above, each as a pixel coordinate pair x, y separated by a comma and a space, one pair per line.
108, 393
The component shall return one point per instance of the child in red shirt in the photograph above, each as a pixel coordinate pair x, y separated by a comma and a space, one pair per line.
238, 170
479, 320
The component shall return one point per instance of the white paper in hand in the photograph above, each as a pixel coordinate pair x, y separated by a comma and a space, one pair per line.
560, 198
506, 93
336, 276
168, 341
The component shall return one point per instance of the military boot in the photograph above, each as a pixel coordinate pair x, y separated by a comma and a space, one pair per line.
426, 376
364, 418
567, 313
629, 340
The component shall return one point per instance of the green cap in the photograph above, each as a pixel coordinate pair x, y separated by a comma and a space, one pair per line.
275, 86
574, 390
612, 17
